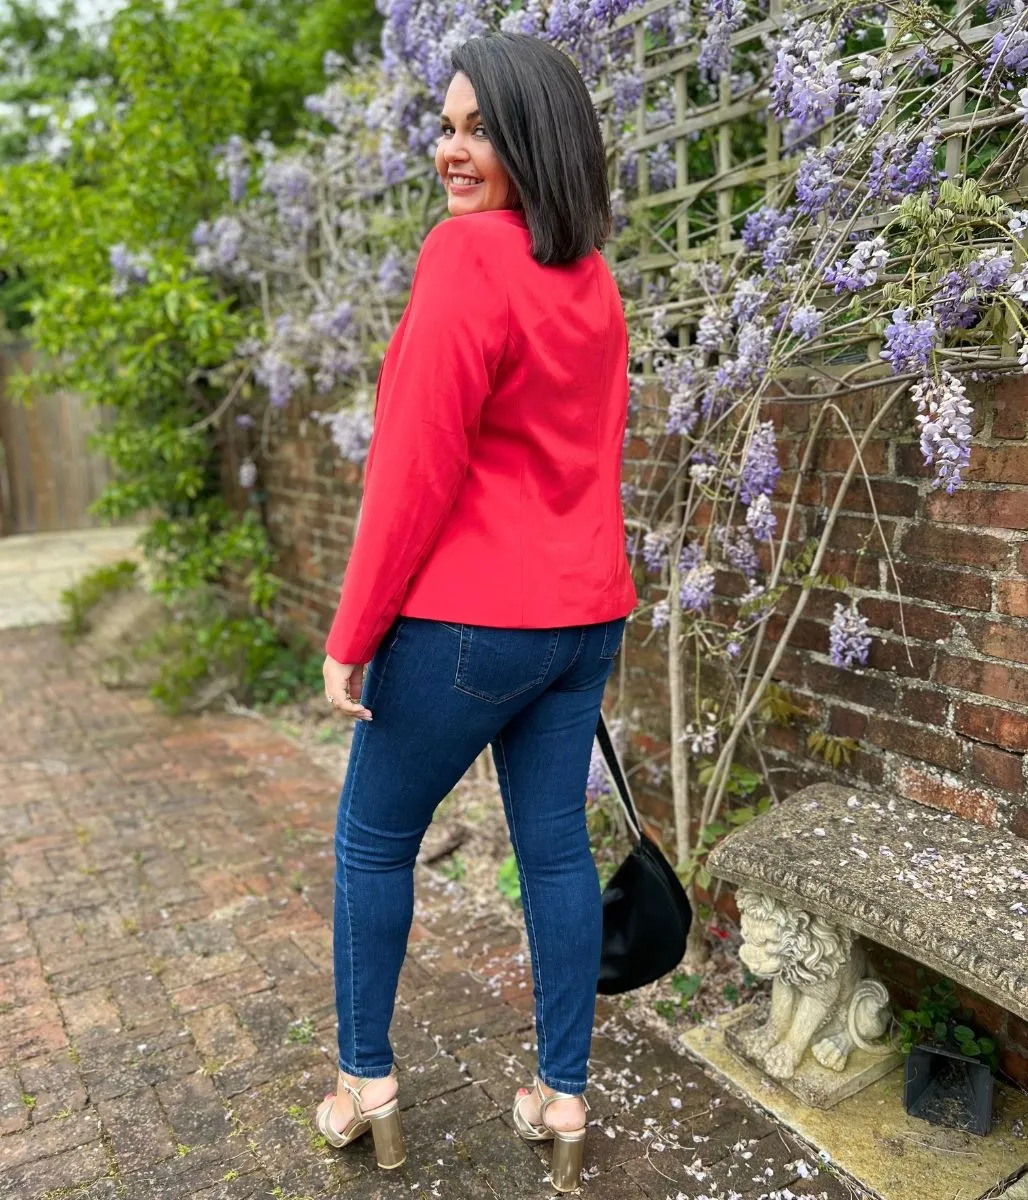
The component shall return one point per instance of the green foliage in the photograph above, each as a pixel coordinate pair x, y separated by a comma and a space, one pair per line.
939, 1020
453, 868
82, 597
741, 785
508, 883
169, 86
301, 1031
205, 643
834, 750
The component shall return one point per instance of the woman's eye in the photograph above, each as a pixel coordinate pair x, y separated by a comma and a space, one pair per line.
480, 131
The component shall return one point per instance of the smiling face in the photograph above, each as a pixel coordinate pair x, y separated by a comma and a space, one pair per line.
474, 178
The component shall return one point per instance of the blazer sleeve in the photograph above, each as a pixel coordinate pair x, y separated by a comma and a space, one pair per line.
428, 410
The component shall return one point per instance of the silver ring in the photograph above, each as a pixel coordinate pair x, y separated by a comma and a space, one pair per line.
329, 698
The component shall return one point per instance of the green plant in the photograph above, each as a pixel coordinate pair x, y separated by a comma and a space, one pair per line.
508, 882
453, 868
834, 750
742, 783
301, 1031
82, 597
939, 1020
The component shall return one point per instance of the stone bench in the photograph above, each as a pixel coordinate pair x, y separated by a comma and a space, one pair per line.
832, 863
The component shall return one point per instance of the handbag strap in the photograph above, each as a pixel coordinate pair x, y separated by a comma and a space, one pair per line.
617, 774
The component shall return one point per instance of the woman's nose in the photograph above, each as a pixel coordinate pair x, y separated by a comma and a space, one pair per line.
454, 150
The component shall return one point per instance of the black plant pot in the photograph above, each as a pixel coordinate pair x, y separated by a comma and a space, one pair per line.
945, 1087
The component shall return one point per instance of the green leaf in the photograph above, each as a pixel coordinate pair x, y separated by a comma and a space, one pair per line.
703, 878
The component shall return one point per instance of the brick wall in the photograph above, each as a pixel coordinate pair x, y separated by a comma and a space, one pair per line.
945, 724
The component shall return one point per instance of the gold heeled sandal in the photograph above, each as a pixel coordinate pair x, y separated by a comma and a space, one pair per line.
384, 1123
568, 1147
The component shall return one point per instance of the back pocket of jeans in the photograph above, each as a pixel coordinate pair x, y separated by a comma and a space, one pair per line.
498, 664
612, 637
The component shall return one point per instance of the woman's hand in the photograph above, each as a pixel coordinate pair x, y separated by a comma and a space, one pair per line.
343, 683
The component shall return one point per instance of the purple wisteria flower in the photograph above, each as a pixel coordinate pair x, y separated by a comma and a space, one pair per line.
128, 268
861, 269
848, 638
739, 549
760, 469
779, 248
281, 377
247, 473
761, 226
944, 418
897, 170
661, 614
1009, 54
713, 330
805, 80
655, 551
760, 520
819, 186
747, 297
722, 19
909, 344
233, 164
806, 322
958, 300
697, 588
871, 96
350, 429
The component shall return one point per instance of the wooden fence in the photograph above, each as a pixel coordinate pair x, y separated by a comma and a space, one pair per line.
48, 475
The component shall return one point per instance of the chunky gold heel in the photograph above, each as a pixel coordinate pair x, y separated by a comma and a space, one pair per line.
568, 1148
384, 1123
568, 1157
388, 1134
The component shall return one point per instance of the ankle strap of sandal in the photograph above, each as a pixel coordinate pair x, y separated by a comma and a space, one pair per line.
545, 1101
355, 1092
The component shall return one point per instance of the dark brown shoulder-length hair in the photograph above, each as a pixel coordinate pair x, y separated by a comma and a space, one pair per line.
540, 120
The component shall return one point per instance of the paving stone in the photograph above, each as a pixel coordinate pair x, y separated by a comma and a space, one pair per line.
113, 1066
55, 1084
197, 1114
67, 1169
14, 1114
137, 1128
147, 912
219, 1035
48, 1139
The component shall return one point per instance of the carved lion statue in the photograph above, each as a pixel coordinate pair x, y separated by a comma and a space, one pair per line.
823, 996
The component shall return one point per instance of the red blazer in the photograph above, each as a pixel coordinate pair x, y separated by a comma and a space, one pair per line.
492, 490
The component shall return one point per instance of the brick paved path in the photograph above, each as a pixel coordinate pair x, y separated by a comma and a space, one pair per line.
166, 1019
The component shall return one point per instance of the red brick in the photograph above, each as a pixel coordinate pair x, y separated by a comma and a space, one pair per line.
986, 723
970, 803
869, 691
910, 463
901, 658
925, 705
981, 508
959, 589
1015, 1067
1017, 1031
998, 767
844, 722
1012, 597
859, 533
943, 544
987, 1016
998, 464
836, 454
911, 620
1019, 823
788, 416
892, 498
1011, 415
991, 679
917, 741
998, 640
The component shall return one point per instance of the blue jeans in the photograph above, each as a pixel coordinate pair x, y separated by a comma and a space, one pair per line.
439, 694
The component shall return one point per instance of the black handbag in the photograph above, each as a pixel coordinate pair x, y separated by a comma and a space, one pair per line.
646, 913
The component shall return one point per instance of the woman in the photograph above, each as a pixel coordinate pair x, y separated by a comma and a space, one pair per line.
488, 586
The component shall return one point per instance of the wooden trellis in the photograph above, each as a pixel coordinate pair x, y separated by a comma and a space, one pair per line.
701, 215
